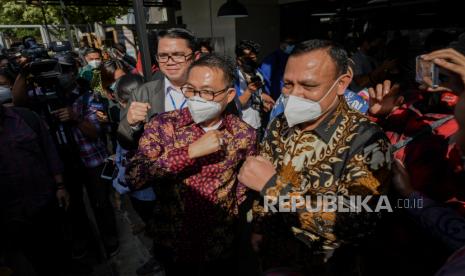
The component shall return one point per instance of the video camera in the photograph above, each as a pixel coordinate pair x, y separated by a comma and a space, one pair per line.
49, 93
32, 50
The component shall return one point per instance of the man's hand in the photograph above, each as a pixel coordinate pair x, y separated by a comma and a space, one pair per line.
102, 117
137, 113
209, 143
253, 87
256, 172
401, 179
452, 61
63, 198
66, 114
384, 99
268, 102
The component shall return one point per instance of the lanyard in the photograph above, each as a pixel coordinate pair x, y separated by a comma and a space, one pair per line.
174, 103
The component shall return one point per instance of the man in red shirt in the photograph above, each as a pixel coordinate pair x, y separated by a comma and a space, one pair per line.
423, 134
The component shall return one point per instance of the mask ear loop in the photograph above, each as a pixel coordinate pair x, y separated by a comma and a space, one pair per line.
331, 88
327, 93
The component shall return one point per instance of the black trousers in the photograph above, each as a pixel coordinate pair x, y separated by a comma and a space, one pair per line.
98, 191
143, 208
32, 244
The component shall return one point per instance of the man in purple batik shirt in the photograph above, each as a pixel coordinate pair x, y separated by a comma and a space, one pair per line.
192, 157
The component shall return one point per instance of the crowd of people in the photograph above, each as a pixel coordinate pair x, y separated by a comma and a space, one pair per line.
203, 148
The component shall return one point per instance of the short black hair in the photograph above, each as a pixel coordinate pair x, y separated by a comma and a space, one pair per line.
127, 85
215, 61
335, 51
207, 45
120, 47
247, 45
181, 33
107, 71
89, 51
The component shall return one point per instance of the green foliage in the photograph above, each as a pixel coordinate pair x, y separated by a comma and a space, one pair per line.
12, 12
15, 13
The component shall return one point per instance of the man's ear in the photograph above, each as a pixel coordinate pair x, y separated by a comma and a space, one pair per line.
196, 55
344, 82
231, 94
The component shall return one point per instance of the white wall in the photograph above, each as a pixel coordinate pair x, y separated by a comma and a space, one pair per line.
262, 25
196, 17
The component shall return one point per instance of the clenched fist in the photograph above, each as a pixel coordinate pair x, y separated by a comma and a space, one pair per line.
255, 172
137, 113
209, 143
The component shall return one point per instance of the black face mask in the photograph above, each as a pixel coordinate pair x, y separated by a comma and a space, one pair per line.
248, 65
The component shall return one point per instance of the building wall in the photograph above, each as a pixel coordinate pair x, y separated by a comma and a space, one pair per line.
262, 25
196, 16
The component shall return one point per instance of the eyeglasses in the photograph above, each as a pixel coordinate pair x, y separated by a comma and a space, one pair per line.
189, 91
176, 57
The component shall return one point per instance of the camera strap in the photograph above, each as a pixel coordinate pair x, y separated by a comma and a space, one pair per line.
423, 131
33, 121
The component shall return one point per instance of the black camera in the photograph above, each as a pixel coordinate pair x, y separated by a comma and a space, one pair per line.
257, 80
32, 50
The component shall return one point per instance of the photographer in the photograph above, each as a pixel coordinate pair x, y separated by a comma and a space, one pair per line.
71, 112
249, 85
87, 132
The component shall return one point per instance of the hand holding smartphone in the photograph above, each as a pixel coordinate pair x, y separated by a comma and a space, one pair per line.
427, 72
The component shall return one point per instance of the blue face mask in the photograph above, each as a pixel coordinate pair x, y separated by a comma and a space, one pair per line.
288, 49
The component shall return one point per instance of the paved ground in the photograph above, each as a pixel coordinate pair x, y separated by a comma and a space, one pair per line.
134, 249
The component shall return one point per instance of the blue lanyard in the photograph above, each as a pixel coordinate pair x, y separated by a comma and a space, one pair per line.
174, 104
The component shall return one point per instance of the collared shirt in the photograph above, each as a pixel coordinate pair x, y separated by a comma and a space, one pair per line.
28, 162
92, 151
345, 155
198, 198
433, 160
250, 113
174, 99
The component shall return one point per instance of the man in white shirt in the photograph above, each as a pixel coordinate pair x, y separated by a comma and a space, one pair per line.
176, 50
174, 99
249, 85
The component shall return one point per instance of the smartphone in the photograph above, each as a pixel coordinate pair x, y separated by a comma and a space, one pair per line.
427, 73
109, 171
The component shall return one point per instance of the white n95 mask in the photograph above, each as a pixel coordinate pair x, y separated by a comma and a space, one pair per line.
202, 110
94, 64
299, 110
